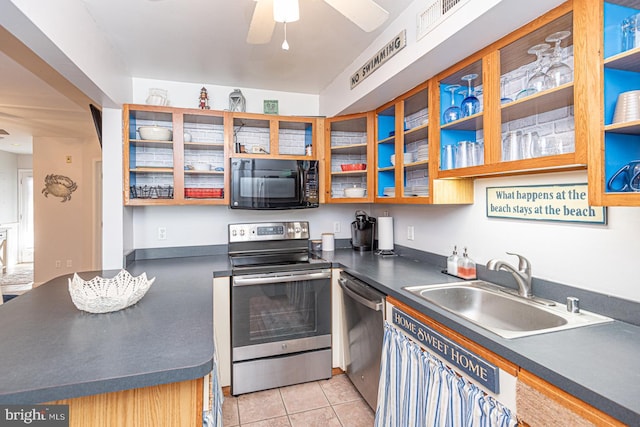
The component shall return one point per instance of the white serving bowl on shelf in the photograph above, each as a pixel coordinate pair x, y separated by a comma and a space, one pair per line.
156, 133
354, 192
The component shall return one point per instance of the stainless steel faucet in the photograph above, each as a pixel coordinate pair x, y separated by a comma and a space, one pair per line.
522, 274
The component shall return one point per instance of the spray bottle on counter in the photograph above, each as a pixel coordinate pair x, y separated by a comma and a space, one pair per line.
452, 262
466, 267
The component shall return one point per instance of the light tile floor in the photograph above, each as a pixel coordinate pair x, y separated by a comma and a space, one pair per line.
326, 403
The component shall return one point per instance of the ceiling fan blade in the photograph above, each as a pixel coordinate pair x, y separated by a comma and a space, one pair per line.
262, 23
366, 14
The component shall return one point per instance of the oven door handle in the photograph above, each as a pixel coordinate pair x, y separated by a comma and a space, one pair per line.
376, 305
279, 278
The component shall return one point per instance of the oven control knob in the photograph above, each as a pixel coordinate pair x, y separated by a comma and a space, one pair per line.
297, 230
284, 346
242, 232
234, 232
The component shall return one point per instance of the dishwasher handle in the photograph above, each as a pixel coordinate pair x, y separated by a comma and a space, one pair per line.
376, 305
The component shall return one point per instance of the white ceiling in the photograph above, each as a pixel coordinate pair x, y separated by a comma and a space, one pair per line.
195, 41
203, 41
198, 41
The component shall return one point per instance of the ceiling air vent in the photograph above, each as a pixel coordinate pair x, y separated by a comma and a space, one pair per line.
435, 13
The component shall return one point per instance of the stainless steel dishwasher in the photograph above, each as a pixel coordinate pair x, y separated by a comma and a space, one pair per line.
364, 324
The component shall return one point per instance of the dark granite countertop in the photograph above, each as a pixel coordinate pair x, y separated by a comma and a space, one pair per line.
51, 350
597, 364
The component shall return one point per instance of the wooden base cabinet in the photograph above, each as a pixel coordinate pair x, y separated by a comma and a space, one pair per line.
166, 405
537, 402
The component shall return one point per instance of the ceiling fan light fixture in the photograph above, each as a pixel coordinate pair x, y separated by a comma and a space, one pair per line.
286, 10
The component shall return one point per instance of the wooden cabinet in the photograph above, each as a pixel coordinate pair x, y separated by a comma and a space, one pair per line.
537, 401
277, 136
615, 142
404, 157
548, 124
164, 405
350, 158
191, 167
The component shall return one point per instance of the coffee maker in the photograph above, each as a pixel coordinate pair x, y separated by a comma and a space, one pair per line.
363, 231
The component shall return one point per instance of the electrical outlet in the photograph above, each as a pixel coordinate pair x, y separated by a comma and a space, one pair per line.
410, 233
162, 233
58, 263
69, 263
336, 227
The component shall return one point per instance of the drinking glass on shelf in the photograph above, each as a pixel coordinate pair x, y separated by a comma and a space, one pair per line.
463, 150
512, 146
559, 72
448, 160
539, 80
454, 112
503, 95
470, 105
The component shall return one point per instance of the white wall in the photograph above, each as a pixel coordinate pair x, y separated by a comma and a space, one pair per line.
600, 258
113, 223
8, 187
207, 225
63, 230
186, 95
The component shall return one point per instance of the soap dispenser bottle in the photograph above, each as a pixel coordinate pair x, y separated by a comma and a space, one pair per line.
452, 262
466, 267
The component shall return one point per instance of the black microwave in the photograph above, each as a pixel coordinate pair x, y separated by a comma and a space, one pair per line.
273, 184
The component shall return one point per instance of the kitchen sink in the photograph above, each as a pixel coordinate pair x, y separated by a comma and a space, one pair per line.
492, 307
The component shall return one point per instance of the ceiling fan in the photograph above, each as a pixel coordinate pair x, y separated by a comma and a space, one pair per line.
366, 14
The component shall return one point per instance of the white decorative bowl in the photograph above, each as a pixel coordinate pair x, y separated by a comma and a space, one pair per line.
100, 295
354, 192
156, 133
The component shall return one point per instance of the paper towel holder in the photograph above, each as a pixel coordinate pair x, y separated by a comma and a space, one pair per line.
382, 224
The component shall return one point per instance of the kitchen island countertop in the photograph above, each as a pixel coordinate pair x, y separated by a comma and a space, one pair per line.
50, 350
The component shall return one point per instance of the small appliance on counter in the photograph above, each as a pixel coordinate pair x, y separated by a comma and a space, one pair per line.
363, 231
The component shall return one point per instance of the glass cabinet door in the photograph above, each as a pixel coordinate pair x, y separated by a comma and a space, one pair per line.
350, 159
204, 157
386, 154
149, 157
462, 118
620, 165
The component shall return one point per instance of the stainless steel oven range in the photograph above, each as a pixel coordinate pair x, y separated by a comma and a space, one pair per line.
280, 307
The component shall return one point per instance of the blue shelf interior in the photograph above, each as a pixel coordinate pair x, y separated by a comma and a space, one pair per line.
613, 16
616, 82
386, 125
620, 150
132, 149
308, 136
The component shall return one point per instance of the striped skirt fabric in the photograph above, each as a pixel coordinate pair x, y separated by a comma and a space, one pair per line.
417, 389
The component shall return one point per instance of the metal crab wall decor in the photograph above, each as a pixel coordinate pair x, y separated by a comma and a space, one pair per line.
59, 186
